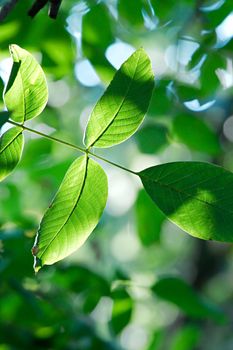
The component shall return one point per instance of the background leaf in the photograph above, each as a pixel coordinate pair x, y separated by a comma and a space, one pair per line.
122, 310
186, 338
152, 138
26, 93
196, 196
132, 12
73, 214
181, 294
196, 134
11, 147
121, 109
4, 116
96, 38
149, 219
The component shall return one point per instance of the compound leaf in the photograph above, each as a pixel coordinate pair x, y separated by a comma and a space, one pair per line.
121, 109
196, 196
73, 214
11, 147
26, 92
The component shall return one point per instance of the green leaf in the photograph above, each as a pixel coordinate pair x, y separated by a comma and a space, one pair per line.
96, 38
161, 101
149, 219
73, 214
84, 282
11, 146
121, 109
196, 196
1, 94
188, 300
4, 116
209, 80
186, 338
201, 138
122, 310
152, 138
132, 12
26, 92
214, 18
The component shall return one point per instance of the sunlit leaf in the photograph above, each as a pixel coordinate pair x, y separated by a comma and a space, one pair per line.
196, 196
187, 299
196, 134
121, 109
11, 146
73, 214
26, 92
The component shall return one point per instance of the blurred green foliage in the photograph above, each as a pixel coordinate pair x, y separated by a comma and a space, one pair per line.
75, 304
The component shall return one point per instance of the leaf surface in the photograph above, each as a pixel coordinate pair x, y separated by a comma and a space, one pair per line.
11, 147
149, 219
73, 214
152, 138
196, 134
196, 196
97, 38
121, 109
26, 92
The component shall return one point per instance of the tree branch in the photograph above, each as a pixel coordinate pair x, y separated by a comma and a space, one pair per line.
36, 7
54, 8
39, 4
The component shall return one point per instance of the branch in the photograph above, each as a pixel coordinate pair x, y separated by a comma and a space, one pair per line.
81, 149
39, 4
54, 8
36, 7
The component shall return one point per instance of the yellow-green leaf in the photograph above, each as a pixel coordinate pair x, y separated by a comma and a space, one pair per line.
121, 109
11, 146
196, 196
26, 92
73, 214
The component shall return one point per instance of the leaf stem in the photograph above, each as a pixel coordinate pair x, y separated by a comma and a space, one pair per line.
112, 163
80, 149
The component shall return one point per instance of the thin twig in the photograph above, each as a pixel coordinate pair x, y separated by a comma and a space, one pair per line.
54, 8
80, 149
36, 7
